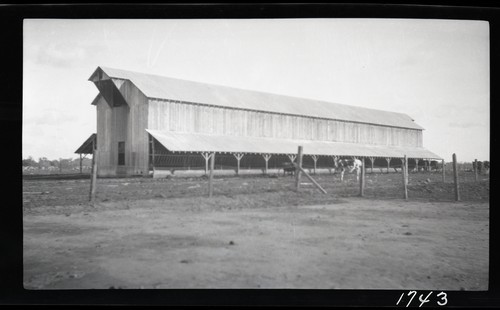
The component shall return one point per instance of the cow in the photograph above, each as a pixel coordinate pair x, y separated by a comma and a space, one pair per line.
348, 164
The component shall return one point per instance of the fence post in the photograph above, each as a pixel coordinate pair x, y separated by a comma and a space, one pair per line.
211, 176
298, 171
443, 164
455, 177
475, 169
362, 179
404, 169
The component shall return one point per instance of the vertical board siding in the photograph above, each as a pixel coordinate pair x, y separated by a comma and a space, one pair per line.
182, 117
104, 118
134, 120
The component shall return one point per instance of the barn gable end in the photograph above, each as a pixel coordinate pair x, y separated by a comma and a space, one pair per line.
121, 120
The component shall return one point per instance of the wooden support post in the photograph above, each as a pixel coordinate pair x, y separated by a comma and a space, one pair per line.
404, 169
206, 156
238, 158
81, 163
152, 154
315, 159
372, 159
362, 179
93, 177
475, 170
292, 157
299, 168
388, 159
334, 163
416, 164
266, 158
455, 177
211, 177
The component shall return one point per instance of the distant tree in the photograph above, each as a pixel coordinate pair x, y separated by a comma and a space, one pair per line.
486, 164
65, 163
43, 162
29, 162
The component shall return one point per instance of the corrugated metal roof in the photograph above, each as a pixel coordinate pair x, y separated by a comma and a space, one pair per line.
189, 142
154, 86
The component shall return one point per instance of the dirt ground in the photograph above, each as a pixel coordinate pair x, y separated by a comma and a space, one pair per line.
256, 232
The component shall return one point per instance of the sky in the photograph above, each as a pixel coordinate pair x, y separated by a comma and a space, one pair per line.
436, 71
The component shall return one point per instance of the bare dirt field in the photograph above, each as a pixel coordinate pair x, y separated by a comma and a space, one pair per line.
256, 232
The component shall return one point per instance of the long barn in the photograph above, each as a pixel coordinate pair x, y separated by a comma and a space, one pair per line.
147, 122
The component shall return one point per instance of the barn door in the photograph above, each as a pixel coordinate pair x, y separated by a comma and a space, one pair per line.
121, 153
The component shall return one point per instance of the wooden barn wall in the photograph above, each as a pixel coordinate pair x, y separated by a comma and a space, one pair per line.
123, 123
136, 145
181, 117
104, 125
111, 128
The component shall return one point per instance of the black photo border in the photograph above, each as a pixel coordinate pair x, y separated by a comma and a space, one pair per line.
11, 259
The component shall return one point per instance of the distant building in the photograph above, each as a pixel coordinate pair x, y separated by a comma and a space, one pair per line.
146, 121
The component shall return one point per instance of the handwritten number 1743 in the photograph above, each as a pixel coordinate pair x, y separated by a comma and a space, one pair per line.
442, 298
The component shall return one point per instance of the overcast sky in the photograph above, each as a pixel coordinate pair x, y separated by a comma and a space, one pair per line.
436, 71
